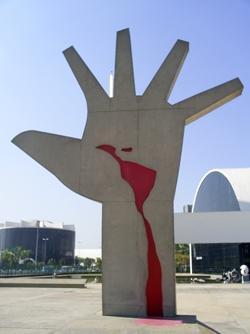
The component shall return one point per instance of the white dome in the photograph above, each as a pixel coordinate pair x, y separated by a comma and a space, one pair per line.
223, 190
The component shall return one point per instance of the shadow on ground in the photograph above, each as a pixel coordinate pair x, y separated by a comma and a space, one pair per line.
175, 323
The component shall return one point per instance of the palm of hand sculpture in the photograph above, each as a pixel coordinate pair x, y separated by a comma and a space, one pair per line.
128, 159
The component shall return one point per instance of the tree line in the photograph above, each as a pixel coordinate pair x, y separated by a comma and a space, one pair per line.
19, 257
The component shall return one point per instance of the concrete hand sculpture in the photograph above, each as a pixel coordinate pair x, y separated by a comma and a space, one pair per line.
128, 159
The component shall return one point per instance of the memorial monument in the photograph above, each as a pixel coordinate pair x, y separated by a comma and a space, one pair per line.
128, 159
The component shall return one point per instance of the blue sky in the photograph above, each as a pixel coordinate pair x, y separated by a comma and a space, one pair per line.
38, 90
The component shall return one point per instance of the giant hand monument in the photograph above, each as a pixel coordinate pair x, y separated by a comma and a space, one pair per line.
128, 159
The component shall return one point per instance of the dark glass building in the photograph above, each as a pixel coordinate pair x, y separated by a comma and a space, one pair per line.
222, 190
44, 239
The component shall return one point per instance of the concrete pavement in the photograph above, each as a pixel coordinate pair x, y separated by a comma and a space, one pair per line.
208, 308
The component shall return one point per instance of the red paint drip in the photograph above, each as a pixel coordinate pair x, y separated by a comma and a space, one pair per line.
127, 149
159, 322
142, 180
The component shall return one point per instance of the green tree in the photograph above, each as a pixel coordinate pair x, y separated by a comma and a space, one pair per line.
182, 249
8, 259
21, 253
88, 262
29, 265
98, 264
51, 262
76, 261
40, 265
182, 257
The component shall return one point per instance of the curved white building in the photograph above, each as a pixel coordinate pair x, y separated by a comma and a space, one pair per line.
222, 190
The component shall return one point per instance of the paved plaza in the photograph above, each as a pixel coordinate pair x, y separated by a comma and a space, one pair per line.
208, 308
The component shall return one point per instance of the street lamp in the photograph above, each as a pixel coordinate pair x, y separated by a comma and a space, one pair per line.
37, 240
45, 248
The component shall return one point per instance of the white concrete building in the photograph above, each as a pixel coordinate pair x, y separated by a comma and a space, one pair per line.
222, 208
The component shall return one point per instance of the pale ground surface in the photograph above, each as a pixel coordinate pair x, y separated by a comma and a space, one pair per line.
218, 308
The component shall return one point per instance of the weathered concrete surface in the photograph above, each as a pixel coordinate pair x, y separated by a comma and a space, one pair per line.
218, 309
152, 132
